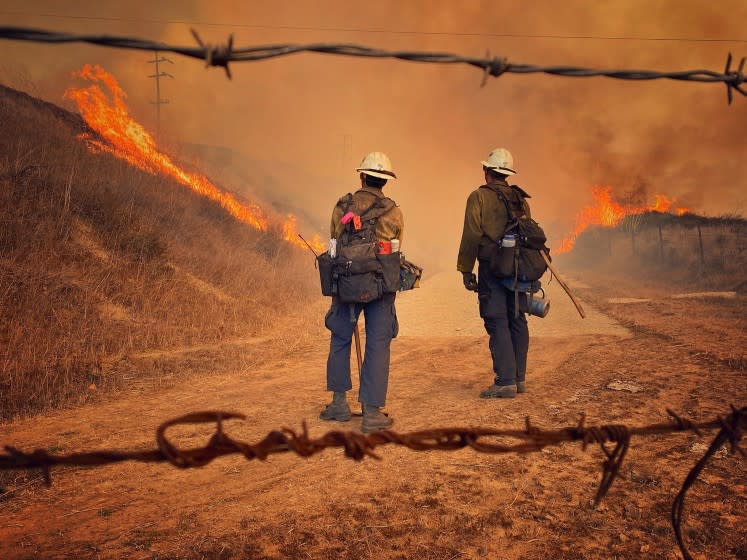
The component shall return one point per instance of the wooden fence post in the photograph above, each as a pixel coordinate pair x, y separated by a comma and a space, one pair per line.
700, 243
661, 245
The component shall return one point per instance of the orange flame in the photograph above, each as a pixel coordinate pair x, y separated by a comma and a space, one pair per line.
608, 213
290, 234
127, 139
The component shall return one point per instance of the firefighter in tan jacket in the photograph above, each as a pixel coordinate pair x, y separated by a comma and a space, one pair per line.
485, 221
380, 315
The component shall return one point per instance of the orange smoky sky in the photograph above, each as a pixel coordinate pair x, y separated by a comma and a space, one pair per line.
298, 126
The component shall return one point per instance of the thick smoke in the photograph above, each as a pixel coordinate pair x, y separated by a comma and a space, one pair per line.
301, 124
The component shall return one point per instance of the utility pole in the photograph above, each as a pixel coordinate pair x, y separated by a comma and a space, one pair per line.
158, 102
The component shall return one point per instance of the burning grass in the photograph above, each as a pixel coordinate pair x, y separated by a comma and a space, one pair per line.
686, 251
100, 260
609, 212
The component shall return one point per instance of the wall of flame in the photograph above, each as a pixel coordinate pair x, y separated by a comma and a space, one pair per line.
102, 105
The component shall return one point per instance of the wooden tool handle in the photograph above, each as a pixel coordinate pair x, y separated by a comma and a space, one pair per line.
357, 333
564, 285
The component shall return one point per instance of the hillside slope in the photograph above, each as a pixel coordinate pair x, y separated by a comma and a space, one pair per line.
101, 263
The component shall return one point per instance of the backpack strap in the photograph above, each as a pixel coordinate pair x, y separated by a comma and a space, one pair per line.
345, 202
512, 217
379, 207
369, 216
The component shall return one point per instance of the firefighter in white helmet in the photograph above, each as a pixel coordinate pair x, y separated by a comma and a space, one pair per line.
485, 220
367, 227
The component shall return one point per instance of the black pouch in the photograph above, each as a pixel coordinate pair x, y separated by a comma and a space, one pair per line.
390, 264
326, 265
359, 288
363, 265
501, 263
532, 234
531, 265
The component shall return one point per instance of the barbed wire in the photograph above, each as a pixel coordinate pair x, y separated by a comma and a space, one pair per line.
222, 55
358, 446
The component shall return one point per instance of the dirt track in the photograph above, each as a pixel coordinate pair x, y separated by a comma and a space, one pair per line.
444, 505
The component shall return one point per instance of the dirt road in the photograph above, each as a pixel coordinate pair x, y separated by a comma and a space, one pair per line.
625, 363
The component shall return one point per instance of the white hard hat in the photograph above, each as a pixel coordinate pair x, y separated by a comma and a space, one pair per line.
377, 164
500, 160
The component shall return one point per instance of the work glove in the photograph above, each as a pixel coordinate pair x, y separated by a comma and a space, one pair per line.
470, 281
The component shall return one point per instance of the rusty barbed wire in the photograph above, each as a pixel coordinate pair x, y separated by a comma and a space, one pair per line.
731, 431
222, 55
358, 446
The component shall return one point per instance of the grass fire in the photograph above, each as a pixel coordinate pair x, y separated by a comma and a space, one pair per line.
608, 212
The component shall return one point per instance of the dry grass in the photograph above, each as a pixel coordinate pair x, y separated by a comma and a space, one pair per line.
99, 261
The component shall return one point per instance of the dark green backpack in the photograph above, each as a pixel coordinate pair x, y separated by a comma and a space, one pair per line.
358, 273
524, 261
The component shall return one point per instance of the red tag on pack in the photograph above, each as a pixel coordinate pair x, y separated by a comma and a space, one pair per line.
385, 247
357, 222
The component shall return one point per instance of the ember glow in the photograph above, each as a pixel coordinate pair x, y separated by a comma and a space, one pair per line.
607, 212
125, 138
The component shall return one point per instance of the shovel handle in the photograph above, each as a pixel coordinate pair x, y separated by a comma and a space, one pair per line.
563, 285
357, 333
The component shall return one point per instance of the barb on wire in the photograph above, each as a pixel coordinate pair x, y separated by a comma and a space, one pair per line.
495, 66
358, 446
216, 55
736, 78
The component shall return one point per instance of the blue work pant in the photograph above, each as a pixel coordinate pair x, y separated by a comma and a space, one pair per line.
381, 328
509, 333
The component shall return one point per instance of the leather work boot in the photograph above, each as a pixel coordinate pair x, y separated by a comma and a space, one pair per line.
374, 420
521, 386
338, 409
499, 392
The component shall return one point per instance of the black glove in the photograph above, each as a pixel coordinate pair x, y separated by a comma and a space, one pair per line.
470, 281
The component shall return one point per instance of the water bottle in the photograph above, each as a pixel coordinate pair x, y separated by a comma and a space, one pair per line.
333, 248
509, 240
395, 245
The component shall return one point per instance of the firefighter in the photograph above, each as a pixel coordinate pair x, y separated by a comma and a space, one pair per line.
485, 221
366, 208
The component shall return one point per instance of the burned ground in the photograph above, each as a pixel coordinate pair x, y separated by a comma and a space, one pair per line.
418, 504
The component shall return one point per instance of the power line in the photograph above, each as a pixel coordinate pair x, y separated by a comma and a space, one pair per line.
222, 55
157, 76
380, 31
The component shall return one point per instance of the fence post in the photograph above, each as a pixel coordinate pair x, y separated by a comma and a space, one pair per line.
700, 244
661, 245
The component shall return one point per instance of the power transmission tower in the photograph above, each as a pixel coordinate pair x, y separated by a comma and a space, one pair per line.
158, 75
